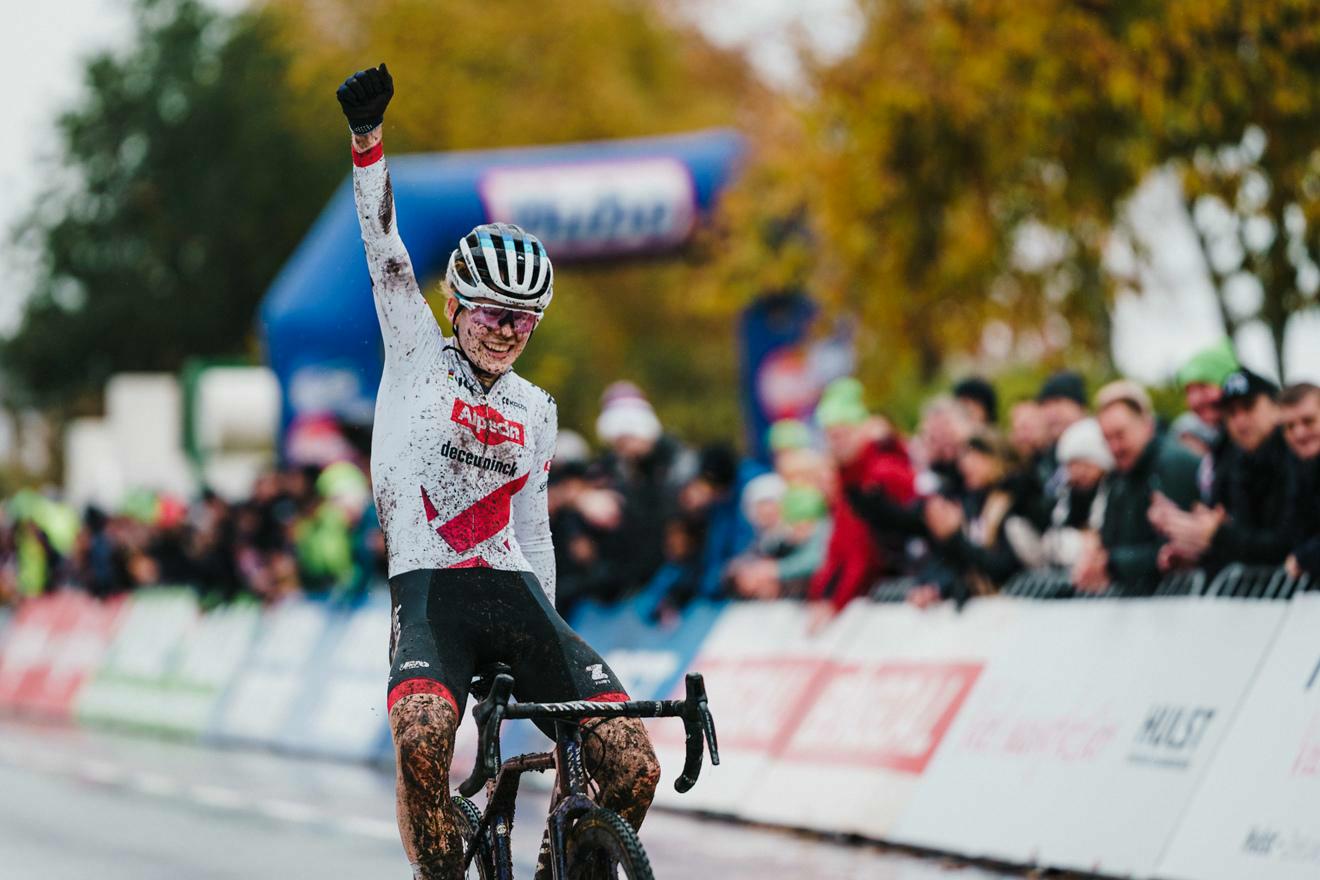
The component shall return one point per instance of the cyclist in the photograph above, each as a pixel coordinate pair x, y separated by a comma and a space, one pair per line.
460, 460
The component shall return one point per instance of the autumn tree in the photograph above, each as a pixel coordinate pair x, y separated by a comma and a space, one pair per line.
967, 167
474, 76
203, 154
186, 184
1236, 113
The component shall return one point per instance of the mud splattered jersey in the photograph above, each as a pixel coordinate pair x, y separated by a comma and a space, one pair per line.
459, 471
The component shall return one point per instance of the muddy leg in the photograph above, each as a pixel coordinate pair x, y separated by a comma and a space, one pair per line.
423, 726
618, 755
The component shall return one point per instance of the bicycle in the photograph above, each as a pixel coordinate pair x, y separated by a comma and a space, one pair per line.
587, 841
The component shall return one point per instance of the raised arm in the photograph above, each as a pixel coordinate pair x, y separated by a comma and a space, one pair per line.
406, 320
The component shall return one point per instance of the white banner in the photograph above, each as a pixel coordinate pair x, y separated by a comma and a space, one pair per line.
1257, 814
260, 701
611, 207
876, 716
761, 667
1083, 742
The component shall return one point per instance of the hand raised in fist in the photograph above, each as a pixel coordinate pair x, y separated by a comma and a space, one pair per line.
364, 97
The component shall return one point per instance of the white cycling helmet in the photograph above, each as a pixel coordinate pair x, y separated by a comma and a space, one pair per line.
502, 263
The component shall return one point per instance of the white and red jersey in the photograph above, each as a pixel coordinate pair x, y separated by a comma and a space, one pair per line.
459, 471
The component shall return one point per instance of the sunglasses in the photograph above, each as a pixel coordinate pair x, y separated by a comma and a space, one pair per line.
495, 317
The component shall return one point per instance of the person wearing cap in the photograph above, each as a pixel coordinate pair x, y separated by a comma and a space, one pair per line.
1126, 553
1062, 400
1244, 522
868, 455
792, 528
967, 536
1080, 510
1300, 406
979, 399
1201, 379
649, 468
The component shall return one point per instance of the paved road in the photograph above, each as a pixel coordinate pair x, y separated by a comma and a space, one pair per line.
79, 804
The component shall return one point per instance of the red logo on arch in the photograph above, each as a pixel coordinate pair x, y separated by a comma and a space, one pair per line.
487, 425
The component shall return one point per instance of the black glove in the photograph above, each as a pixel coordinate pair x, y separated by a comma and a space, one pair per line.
364, 97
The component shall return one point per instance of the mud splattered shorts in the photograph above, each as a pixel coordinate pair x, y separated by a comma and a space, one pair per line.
449, 623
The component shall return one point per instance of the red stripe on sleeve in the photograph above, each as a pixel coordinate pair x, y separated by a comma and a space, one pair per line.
370, 157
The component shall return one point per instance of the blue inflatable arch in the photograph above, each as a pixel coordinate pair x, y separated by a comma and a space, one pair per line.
600, 200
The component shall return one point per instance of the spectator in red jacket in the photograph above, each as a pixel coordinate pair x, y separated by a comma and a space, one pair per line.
869, 456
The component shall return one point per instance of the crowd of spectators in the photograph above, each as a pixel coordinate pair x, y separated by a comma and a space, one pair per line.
1096, 488
303, 530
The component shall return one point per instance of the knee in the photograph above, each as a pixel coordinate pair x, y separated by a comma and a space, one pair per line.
628, 760
423, 726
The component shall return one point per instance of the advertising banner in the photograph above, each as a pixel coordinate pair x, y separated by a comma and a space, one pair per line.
1084, 739
761, 667
27, 651
889, 692
79, 637
54, 644
206, 662
342, 710
260, 701
128, 689
1257, 814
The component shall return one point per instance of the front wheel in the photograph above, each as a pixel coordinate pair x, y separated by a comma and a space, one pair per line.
483, 864
601, 846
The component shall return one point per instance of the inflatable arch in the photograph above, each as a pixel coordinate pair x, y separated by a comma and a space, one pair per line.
600, 200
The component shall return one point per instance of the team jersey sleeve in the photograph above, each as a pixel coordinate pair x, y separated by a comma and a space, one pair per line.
531, 514
406, 321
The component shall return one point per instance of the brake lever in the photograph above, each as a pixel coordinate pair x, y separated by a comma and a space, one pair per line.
489, 716
699, 726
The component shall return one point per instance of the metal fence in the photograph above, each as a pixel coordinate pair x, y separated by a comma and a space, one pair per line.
1234, 582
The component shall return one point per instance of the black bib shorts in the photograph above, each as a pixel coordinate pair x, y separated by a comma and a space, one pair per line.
449, 623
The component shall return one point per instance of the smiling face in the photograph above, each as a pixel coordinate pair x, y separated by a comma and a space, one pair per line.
1250, 422
1301, 425
492, 351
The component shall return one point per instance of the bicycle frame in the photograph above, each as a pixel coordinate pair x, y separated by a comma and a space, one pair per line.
570, 798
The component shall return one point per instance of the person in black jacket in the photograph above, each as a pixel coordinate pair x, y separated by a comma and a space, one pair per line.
967, 534
1245, 523
1300, 407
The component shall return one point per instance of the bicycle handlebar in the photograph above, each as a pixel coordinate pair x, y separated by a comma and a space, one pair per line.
489, 715
494, 710
699, 726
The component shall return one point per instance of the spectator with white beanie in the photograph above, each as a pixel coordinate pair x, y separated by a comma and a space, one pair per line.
1085, 460
648, 468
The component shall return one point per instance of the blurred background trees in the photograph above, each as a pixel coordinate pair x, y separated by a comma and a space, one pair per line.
959, 181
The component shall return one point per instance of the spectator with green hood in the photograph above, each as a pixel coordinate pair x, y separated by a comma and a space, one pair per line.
1202, 379
869, 457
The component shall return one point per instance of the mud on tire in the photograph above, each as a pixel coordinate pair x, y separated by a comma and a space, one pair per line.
483, 864
602, 846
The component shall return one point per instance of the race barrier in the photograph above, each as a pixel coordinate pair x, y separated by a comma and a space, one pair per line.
1175, 737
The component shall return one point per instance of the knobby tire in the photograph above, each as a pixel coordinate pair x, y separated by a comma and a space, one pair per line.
602, 846
483, 864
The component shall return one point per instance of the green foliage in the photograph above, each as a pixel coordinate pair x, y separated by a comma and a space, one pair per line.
201, 157
969, 163
472, 76
188, 186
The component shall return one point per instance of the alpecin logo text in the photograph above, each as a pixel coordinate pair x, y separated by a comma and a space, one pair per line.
487, 425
